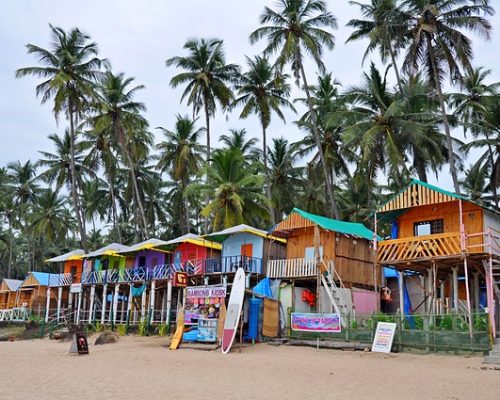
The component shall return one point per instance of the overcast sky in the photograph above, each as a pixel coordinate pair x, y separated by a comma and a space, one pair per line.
137, 37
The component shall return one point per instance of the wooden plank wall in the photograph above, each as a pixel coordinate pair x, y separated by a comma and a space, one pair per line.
416, 195
449, 212
304, 237
273, 250
293, 221
354, 260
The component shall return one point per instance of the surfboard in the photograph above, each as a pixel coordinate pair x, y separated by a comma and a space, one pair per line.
233, 311
176, 339
222, 320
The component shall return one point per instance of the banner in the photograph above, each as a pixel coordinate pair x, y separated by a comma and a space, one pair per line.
206, 292
329, 323
382, 342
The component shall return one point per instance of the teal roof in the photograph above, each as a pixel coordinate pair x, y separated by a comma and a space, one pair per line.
329, 224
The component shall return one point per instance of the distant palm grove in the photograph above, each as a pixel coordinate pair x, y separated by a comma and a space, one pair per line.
106, 180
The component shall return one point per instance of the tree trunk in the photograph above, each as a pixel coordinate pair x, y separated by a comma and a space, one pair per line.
74, 181
135, 186
272, 210
449, 141
493, 182
113, 205
396, 69
209, 155
333, 209
9, 263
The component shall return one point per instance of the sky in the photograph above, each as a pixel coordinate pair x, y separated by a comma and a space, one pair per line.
137, 37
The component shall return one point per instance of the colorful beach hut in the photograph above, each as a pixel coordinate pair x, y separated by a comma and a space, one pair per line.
8, 292
34, 293
446, 241
244, 246
190, 251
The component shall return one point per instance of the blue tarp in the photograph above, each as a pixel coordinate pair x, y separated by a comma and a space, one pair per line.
263, 288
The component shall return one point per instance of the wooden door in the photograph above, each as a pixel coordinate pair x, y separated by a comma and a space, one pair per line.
247, 250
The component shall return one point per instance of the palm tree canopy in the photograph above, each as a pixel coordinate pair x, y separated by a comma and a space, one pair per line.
294, 30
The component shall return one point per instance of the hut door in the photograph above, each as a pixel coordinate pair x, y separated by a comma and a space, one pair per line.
309, 253
142, 261
247, 250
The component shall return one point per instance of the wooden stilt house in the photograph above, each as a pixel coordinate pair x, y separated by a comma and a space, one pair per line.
244, 246
452, 242
8, 292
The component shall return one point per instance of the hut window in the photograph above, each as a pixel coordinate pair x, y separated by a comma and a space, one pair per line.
73, 272
428, 227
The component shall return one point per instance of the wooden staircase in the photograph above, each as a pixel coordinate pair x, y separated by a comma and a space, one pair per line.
332, 289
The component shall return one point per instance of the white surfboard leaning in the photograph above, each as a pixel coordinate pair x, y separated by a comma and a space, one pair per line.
233, 311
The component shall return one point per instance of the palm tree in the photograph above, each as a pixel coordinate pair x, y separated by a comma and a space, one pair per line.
237, 140
8, 213
283, 176
262, 91
384, 27
69, 70
437, 43
294, 31
206, 76
236, 191
118, 114
180, 157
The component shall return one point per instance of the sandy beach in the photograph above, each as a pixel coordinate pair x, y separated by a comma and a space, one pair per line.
137, 368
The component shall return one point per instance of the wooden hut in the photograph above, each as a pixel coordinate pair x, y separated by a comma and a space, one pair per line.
34, 293
8, 292
190, 251
244, 246
450, 241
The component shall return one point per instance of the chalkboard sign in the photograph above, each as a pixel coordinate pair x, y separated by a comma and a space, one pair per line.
79, 344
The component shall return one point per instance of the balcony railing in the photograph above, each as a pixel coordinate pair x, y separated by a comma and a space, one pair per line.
440, 245
56, 280
232, 263
291, 268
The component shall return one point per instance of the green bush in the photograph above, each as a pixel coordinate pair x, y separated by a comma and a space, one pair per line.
142, 328
121, 330
162, 330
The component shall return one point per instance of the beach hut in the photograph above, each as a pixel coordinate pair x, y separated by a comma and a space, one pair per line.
34, 293
329, 263
190, 251
446, 242
244, 246
8, 292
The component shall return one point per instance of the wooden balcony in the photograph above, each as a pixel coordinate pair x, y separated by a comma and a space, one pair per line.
438, 246
291, 268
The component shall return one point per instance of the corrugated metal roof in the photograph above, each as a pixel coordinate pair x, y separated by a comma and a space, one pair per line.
147, 244
242, 228
72, 255
194, 239
12, 284
109, 250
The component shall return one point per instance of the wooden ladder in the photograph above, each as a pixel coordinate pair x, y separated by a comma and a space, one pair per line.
333, 292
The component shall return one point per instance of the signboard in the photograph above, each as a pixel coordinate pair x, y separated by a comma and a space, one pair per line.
79, 344
316, 322
209, 292
75, 288
180, 279
384, 336
207, 330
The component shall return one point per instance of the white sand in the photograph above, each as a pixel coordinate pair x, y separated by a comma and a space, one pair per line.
142, 368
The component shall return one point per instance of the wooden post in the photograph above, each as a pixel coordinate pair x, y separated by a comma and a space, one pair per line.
143, 304
401, 295
59, 299
169, 300
163, 300
455, 289
79, 305
122, 310
428, 289
443, 298
462, 227
104, 294
375, 250
152, 298
91, 306
115, 302
467, 294
129, 301
477, 294
317, 255
47, 305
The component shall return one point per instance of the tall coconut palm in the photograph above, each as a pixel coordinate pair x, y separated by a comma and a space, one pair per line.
236, 191
237, 140
384, 27
118, 114
180, 158
69, 70
207, 78
295, 30
438, 42
262, 91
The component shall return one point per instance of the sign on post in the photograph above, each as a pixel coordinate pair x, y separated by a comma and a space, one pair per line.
384, 336
180, 279
316, 322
